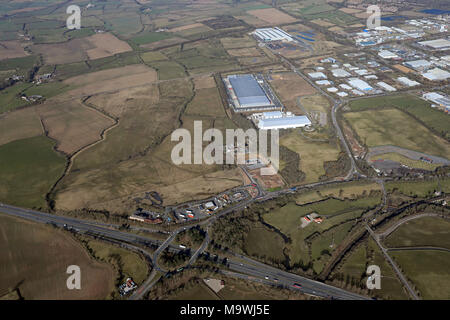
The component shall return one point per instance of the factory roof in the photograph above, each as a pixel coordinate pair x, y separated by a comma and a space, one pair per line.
273, 34
248, 91
359, 84
285, 122
386, 54
272, 114
385, 86
418, 64
436, 74
437, 98
340, 73
323, 82
436, 44
408, 82
317, 75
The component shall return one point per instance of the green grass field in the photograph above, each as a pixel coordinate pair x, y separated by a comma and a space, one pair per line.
419, 188
10, 97
312, 154
428, 270
314, 9
394, 127
342, 191
368, 253
337, 17
131, 264
151, 56
426, 231
202, 56
355, 264
28, 168
196, 290
151, 37
415, 106
168, 69
264, 243
288, 220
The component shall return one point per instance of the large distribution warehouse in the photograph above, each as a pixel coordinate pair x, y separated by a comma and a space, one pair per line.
248, 91
273, 34
283, 123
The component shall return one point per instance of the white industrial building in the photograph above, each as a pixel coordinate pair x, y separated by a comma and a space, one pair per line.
272, 34
357, 92
361, 72
272, 115
438, 44
340, 73
359, 84
408, 82
323, 82
437, 99
418, 64
386, 87
436, 74
284, 123
317, 75
332, 89
345, 86
386, 54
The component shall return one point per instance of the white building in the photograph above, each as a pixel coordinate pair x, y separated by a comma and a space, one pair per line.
345, 86
437, 99
436, 74
438, 44
340, 73
272, 115
361, 72
273, 34
386, 87
317, 75
386, 54
408, 82
284, 123
332, 89
359, 84
418, 64
323, 82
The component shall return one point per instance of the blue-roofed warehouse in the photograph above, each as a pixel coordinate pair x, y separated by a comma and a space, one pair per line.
248, 91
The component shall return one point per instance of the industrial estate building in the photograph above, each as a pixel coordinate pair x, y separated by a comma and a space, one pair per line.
247, 93
438, 99
283, 122
359, 84
418, 64
438, 44
436, 74
272, 34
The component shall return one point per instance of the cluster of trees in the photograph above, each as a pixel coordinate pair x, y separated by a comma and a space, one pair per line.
291, 172
336, 168
230, 231
192, 237
174, 260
